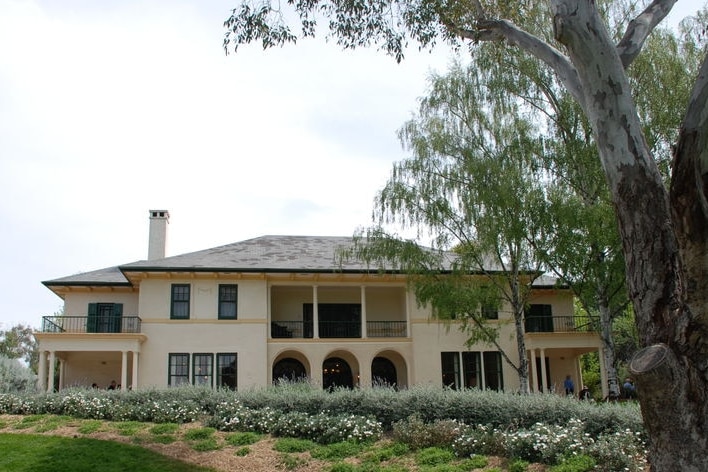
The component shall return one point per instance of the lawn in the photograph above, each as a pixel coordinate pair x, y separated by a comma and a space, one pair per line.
40, 453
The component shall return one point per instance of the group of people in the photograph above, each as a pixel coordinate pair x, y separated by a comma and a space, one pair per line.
113, 385
629, 391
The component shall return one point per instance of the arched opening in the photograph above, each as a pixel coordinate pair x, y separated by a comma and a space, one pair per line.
336, 373
383, 373
289, 369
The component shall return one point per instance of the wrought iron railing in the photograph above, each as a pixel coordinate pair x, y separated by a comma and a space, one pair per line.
562, 324
91, 324
337, 329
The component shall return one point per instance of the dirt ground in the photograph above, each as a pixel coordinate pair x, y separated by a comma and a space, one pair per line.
261, 456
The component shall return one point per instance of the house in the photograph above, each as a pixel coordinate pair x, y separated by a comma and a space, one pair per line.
249, 313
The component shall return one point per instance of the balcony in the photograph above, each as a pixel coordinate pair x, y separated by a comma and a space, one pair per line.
90, 324
562, 324
337, 329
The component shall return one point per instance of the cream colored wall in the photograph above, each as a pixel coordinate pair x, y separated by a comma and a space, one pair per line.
155, 297
385, 304
246, 338
561, 300
76, 303
82, 369
286, 302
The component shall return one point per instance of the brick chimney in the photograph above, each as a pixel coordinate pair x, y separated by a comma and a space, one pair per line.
159, 219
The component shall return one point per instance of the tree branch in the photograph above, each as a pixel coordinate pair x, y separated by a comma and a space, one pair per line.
499, 30
639, 29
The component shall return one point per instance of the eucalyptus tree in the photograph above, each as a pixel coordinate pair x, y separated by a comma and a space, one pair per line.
664, 232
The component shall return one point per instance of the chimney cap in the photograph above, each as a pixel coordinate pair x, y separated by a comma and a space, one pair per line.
159, 214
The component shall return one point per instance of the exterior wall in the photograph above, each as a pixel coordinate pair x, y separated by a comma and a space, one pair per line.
97, 357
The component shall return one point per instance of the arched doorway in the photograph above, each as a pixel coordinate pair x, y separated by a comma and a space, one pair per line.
383, 373
288, 369
336, 373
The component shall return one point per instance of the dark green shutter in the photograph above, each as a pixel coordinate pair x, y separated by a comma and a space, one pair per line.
117, 318
91, 321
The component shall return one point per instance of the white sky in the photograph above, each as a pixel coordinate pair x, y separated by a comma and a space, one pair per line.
110, 109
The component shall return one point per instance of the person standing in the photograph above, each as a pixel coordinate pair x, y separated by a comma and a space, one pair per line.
569, 385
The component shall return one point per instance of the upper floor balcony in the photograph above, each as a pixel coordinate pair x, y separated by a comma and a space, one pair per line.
338, 329
562, 324
91, 324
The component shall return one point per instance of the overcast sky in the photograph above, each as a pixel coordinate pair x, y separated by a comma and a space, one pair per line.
110, 109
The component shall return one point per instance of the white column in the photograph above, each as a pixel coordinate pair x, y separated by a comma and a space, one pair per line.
603, 373
42, 372
61, 374
134, 382
52, 361
315, 317
124, 370
482, 376
534, 375
544, 384
363, 312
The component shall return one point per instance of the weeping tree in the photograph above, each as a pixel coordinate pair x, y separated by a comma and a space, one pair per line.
664, 232
474, 187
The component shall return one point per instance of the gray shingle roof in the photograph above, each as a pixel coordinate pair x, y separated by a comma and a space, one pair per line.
262, 254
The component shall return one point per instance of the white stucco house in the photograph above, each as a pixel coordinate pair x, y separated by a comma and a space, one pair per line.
248, 313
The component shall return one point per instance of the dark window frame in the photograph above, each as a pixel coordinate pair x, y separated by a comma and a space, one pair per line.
199, 376
228, 299
222, 364
172, 376
180, 299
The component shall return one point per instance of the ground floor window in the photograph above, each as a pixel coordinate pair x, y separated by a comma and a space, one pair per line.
203, 371
226, 370
472, 369
178, 369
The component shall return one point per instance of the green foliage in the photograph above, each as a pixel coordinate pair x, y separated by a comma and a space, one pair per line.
204, 445
243, 439
434, 456
417, 434
474, 462
14, 377
243, 451
293, 445
290, 462
199, 433
164, 428
340, 450
128, 428
518, 465
581, 463
40, 453
18, 343
90, 426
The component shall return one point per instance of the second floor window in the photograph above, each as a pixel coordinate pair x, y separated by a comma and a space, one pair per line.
180, 302
228, 302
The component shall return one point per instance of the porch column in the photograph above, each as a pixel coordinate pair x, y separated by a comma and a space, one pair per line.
603, 373
544, 384
363, 312
124, 370
52, 361
315, 317
533, 381
42, 372
364, 379
482, 376
134, 382
61, 374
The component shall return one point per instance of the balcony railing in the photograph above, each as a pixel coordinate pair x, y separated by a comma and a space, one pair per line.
337, 329
90, 324
562, 324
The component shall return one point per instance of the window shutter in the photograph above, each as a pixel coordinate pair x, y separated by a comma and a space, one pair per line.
116, 322
91, 321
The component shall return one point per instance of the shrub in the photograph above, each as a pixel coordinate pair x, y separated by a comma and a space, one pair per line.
15, 377
199, 434
580, 463
418, 435
243, 439
209, 444
434, 456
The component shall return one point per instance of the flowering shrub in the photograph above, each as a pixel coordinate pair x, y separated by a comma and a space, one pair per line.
551, 444
323, 427
417, 434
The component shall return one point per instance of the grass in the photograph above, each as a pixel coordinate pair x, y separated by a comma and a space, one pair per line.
43, 453
39, 453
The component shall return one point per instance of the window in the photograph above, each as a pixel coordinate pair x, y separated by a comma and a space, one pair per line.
226, 369
490, 311
473, 367
180, 302
203, 369
178, 370
450, 362
104, 318
539, 318
228, 302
